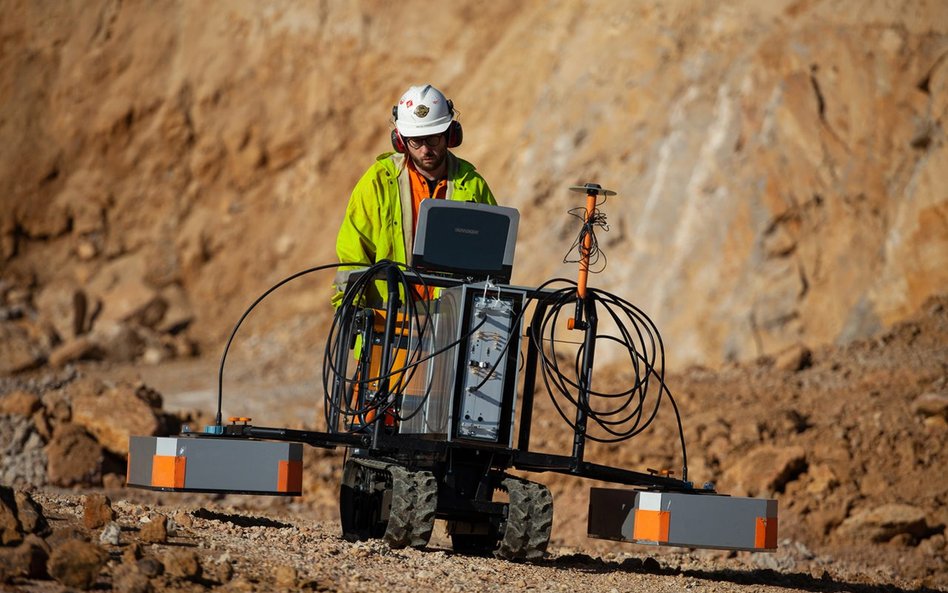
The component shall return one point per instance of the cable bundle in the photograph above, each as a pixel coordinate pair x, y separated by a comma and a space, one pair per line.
597, 258
619, 415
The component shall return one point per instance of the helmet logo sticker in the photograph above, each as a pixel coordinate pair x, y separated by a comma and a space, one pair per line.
421, 111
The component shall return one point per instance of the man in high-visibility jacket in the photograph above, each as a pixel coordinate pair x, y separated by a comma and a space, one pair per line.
383, 208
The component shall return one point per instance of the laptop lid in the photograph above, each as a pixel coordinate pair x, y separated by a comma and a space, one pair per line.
465, 239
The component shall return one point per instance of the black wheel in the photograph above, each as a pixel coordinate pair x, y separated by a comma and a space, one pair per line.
363, 502
412, 512
526, 532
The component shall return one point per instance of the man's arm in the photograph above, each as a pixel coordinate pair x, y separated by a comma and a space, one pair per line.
355, 243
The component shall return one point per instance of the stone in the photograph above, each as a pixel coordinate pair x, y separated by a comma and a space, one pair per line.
132, 553
883, 523
183, 564
184, 519
125, 294
150, 566
224, 571
19, 402
11, 532
21, 448
74, 457
96, 510
793, 359
286, 576
930, 405
77, 564
128, 579
75, 349
155, 531
27, 560
179, 312
63, 304
765, 470
111, 534
30, 514
114, 414
22, 347
119, 341
65, 533
822, 479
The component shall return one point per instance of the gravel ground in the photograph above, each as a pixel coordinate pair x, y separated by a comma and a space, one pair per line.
281, 546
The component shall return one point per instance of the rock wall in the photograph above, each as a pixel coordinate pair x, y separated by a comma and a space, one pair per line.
780, 166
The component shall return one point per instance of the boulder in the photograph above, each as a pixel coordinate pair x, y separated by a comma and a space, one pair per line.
77, 563
883, 523
113, 414
74, 457
765, 470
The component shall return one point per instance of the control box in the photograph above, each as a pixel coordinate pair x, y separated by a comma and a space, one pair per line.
471, 384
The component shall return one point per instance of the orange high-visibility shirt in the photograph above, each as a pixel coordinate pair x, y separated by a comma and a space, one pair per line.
420, 190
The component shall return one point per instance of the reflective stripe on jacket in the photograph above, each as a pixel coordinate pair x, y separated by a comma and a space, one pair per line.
378, 222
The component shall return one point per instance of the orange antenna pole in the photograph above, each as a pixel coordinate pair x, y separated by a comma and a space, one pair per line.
592, 191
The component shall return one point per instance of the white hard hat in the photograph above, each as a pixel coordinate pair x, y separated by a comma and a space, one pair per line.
423, 111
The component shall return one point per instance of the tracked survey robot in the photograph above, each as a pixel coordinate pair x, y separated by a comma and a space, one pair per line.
430, 375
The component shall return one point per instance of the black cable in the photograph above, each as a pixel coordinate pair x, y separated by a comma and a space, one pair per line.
618, 415
412, 331
597, 260
220, 373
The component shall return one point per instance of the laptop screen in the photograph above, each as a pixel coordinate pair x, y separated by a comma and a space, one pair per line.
465, 239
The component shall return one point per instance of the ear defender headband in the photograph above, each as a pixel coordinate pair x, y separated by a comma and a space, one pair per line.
454, 132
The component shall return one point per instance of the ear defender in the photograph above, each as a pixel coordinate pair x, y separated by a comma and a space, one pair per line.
455, 134
398, 143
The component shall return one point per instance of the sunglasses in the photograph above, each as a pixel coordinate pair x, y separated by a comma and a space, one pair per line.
420, 141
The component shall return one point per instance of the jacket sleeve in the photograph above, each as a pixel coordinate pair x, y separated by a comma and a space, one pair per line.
484, 195
355, 243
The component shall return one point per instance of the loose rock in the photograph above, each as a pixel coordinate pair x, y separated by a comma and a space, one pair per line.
155, 531
111, 534
886, 522
77, 564
183, 564
75, 458
96, 510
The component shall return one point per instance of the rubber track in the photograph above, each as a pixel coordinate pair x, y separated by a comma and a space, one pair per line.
414, 501
529, 520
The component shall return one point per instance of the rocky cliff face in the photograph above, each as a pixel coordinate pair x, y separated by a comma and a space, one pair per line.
780, 166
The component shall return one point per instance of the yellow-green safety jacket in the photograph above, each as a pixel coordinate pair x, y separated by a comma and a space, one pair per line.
378, 223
